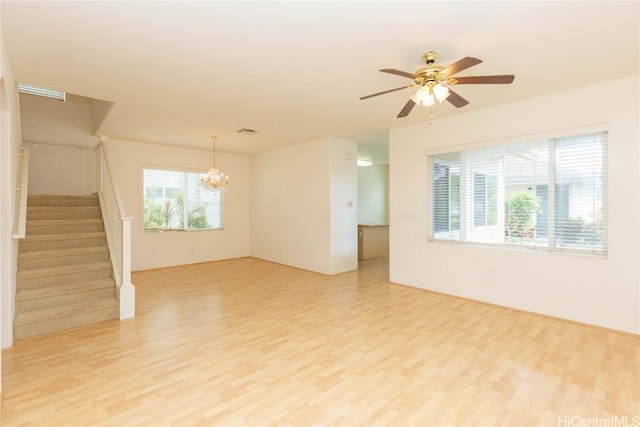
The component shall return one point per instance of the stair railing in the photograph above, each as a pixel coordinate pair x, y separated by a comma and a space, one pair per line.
118, 229
22, 189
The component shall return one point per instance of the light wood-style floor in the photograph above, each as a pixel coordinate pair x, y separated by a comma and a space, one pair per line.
251, 343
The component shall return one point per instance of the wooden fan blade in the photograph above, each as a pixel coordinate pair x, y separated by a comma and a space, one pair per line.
502, 79
456, 100
398, 73
406, 109
460, 65
386, 91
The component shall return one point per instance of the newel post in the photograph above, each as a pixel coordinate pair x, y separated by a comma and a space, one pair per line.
127, 289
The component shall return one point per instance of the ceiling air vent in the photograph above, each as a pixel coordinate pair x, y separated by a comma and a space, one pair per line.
41, 91
247, 131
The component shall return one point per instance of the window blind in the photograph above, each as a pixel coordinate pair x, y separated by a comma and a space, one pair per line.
542, 194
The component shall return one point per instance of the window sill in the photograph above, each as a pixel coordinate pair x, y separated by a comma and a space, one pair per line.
529, 249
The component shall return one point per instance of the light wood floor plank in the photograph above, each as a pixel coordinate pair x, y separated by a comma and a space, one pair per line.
251, 343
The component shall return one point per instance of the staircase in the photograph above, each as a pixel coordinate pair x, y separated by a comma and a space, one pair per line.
65, 278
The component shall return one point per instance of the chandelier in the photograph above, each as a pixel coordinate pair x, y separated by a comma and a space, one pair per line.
215, 179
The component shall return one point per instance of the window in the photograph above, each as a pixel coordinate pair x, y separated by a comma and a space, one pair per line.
548, 193
174, 200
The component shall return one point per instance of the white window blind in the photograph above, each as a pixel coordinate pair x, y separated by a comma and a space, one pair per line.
548, 193
175, 200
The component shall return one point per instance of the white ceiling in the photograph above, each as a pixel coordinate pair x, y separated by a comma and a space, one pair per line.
180, 71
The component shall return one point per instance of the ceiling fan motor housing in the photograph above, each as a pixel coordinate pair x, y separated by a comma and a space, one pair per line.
429, 75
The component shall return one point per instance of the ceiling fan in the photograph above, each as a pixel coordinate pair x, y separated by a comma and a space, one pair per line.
434, 81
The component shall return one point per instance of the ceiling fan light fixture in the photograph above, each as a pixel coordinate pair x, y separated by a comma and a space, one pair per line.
427, 94
424, 96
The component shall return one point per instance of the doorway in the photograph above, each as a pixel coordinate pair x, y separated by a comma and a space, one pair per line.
373, 199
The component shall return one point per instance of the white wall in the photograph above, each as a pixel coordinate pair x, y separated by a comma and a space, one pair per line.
61, 170
343, 197
53, 121
9, 146
296, 203
155, 250
602, 292
373, 195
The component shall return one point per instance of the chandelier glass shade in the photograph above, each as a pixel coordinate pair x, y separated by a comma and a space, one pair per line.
215, 179
429, 93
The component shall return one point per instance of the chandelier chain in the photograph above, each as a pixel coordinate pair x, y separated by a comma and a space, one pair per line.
213, 138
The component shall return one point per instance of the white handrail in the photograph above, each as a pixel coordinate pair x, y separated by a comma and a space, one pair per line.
116, 193
23, 193
118, 230
36, 142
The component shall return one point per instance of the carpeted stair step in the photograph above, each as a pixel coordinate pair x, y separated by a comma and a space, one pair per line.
60, 275
62, 241
57, 226
57, 257
69, 316
57, 200
65, 277
71, 293
63, 212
